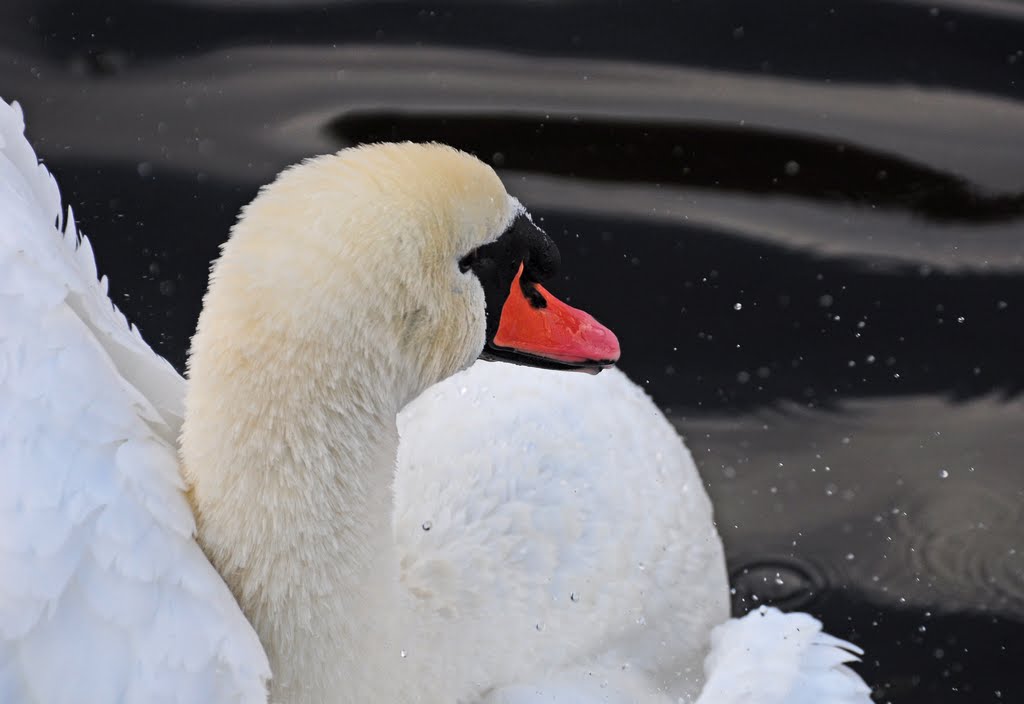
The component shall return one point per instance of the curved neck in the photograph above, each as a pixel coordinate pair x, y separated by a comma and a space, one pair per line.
291, 469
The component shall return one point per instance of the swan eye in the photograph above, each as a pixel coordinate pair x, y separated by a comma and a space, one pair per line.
467, 262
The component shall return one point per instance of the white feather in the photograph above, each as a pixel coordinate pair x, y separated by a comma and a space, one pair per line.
104, 594
573, 506
768, 657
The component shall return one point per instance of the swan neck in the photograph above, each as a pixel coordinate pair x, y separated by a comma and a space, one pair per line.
292, 481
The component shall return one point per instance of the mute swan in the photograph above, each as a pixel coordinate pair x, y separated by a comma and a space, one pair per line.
324, 318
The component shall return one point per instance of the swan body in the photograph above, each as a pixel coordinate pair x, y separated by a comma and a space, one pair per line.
564, 512
529, 547
567, 509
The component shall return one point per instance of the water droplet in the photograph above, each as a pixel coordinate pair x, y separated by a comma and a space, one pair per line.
792, 168
427, 525
403, 653
539, 627
574, 596
737, 306
943, 474
849, 556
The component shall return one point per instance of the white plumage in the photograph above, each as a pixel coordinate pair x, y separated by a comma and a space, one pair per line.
769, 657
564, 509
551, 529
104, 594
585, 501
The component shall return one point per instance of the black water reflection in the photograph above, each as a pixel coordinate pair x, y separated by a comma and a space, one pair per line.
955, 43
702, 155
728, 322
806, 226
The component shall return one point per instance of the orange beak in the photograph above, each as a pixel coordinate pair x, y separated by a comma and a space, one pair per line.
535, 323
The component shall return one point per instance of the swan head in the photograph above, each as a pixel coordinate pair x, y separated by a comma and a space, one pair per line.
408, 260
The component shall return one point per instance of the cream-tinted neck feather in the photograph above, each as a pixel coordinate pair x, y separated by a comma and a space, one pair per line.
336, 301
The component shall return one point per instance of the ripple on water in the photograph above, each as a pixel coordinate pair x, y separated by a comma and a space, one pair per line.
779, 581
961, 549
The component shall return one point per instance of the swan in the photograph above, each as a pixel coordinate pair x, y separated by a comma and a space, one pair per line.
282, 540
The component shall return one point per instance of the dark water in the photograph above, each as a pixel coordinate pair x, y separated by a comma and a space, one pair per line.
805, 220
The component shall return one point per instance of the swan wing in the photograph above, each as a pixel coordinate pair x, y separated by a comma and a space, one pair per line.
768, 657
104, 594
